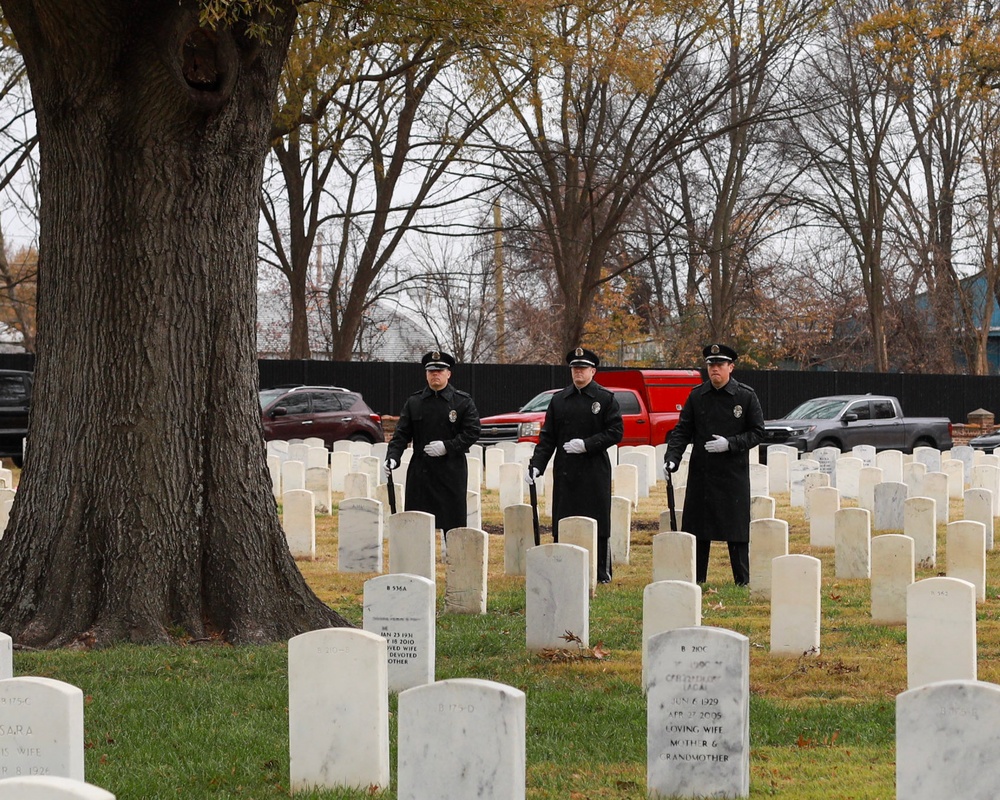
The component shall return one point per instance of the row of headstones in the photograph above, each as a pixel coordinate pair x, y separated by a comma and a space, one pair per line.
467, 737
300, 466
850, 472
363, 526
939, 613
412, 548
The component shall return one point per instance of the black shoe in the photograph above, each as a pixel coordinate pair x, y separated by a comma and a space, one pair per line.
604, 580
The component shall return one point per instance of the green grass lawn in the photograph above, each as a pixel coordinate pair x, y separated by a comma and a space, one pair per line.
209, 720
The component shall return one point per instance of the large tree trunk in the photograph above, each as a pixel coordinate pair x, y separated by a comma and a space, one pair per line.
144, 507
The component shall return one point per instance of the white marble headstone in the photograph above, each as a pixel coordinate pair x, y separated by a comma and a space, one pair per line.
338, 710
462, 738
698, 714
768, 540
890, 498
852, 534
947, 738
43, 728
865, 452
965, 454
465, 574
778, 471
518, 537
965, 554
512, 484
940, 631
868, 479
360, 534
557, 595
494, 458
621, 530
848, 471
920, 524
891, 464
400, 609
795, 605
824, 503
293, 475
340, 465
410, 536
978, 506
318, 482
929, 457
625, 483
298, 519
892, 574
674, 557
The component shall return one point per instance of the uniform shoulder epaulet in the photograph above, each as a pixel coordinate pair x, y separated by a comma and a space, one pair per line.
463, 394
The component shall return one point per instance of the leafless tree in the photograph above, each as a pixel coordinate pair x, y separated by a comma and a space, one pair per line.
586, 138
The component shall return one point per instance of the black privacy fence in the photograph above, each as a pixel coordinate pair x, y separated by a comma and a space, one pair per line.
498, 388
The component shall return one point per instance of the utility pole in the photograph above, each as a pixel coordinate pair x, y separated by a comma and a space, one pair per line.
498, 283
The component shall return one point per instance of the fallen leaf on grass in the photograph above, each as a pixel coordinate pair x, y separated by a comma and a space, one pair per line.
557, 654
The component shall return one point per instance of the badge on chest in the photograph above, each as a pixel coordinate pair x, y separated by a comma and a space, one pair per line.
452, 415
595, 408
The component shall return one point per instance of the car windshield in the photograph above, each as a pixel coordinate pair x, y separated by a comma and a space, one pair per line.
818, 408
538, 402
268, 396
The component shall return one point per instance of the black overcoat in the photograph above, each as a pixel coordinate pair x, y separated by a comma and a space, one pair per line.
437, 485
581, 485
717, 497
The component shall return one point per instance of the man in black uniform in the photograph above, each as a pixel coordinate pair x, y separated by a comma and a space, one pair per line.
443, 423
582, 422
723, 420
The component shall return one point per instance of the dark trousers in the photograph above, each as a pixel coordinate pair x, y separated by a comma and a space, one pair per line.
604, 559
739, 558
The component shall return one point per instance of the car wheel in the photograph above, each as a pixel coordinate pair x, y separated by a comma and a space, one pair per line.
924, 442
360, 437
828, 443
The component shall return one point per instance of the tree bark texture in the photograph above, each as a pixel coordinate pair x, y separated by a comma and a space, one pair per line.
144, 509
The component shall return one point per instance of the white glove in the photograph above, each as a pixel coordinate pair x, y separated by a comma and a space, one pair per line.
719, 444
532, 476
434, 449
389, 466
671, 466
575, 447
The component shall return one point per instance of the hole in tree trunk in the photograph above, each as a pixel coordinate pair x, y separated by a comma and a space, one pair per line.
200, 59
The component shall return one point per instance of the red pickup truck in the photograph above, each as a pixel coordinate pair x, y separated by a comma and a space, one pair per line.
650, 400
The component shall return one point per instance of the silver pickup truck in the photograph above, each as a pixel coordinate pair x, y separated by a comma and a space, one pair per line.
847, 420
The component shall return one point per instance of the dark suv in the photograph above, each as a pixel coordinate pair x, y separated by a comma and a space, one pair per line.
330, 413
15, 399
